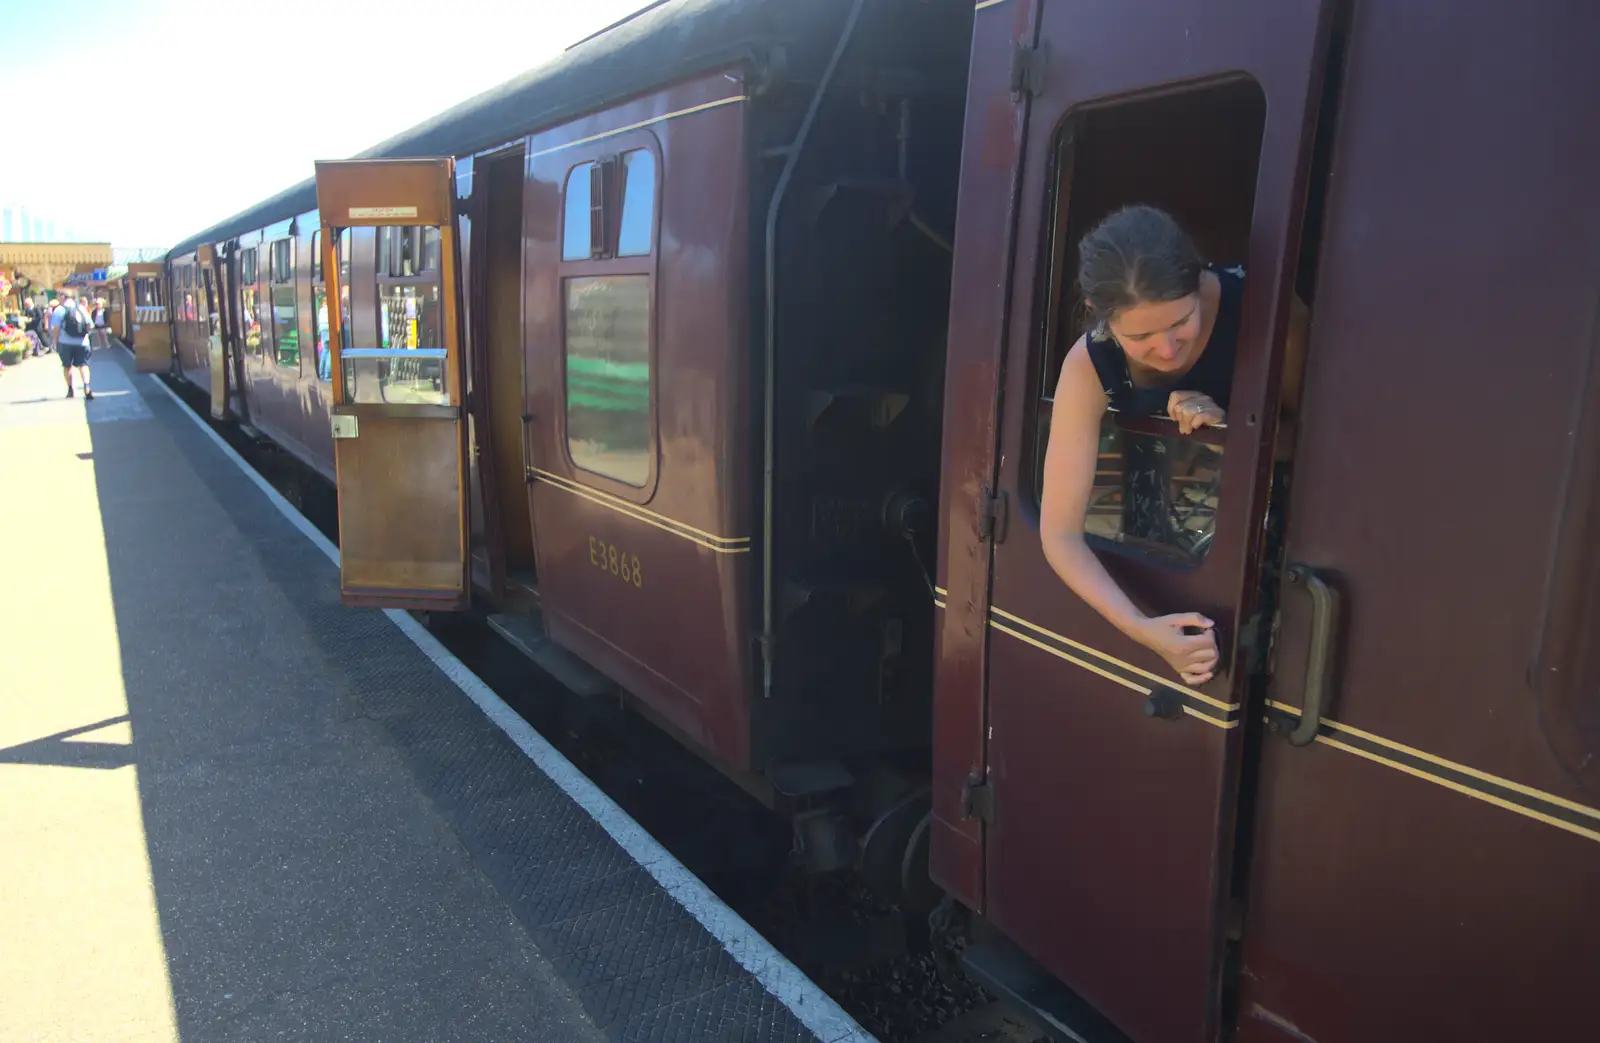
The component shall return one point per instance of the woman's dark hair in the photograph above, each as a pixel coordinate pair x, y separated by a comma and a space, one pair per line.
1138, 255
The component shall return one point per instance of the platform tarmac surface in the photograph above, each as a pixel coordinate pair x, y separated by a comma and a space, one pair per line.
232, 809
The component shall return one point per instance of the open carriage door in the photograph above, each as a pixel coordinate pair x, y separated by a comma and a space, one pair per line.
389, 258
1110, 790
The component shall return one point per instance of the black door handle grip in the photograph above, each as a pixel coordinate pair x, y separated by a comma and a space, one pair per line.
1319, 657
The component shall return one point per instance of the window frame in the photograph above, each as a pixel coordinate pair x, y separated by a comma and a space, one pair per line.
613, 147
1056, 330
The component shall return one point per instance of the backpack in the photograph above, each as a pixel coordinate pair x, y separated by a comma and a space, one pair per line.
73, 323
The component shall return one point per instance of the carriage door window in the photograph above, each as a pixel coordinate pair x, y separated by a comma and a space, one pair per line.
1193, 154
285, 323
608, 268
407, 365
247, 302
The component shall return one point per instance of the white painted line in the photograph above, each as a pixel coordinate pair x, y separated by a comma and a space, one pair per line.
787, 983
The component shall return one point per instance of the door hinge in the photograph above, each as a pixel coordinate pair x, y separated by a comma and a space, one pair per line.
977, 798
1028, 63
992, 515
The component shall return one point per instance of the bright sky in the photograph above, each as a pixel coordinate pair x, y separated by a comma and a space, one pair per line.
188, 111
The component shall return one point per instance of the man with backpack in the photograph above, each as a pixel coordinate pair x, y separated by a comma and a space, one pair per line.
70, 324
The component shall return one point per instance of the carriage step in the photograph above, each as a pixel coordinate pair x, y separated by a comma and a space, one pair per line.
1054, 1009
527, 635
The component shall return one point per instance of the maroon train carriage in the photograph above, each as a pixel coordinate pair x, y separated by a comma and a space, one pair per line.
647, 351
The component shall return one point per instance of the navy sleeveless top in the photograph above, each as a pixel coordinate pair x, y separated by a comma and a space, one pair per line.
1212, 373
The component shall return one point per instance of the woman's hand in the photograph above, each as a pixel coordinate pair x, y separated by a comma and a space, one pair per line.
1193, 657
1194, 410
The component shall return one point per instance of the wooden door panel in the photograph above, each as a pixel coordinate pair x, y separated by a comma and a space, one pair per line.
400, 444
414, 464
1114, 785
1427, 868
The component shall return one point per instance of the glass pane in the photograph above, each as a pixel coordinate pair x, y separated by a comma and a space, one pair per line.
285, 327
638, 204
409, 320
1155, 494
575, 244
247, 315
430, 249
319, 330
608, 375
316, 256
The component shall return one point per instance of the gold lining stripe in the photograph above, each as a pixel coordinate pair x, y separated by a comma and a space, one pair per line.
1107, 674
941, 592
645, 516
937, 603
1208, 700
625, 505
1495, 780
1448, 784
987, 3
642, 123
1197, 715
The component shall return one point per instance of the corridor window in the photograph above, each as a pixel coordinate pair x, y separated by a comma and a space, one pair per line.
608, 375
607, 287
250, 324
285, 320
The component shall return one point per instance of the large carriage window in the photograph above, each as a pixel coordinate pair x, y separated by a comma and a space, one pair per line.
248, 318
608, 243
285, 321
407, 365
1194, 154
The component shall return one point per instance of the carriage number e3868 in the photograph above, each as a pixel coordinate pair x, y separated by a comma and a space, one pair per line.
609, 558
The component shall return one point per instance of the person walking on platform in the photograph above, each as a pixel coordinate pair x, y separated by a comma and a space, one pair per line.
70, 323
36, 324
102, 326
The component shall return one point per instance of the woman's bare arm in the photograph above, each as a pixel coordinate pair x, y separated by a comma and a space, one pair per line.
1070, 462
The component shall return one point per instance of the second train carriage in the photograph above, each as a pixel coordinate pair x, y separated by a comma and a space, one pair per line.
653, 350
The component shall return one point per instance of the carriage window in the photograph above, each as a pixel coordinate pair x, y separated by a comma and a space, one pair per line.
576, 242
608, 375
638, 203
1194, 154
249, 321
285, 321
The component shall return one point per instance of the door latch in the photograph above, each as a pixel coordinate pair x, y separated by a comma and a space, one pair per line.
992, 512
977, 798
1028, 65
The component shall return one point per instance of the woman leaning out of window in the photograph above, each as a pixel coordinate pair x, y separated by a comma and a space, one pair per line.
1164, 328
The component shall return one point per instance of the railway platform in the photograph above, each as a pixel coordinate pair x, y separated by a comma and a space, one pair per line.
233, 809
